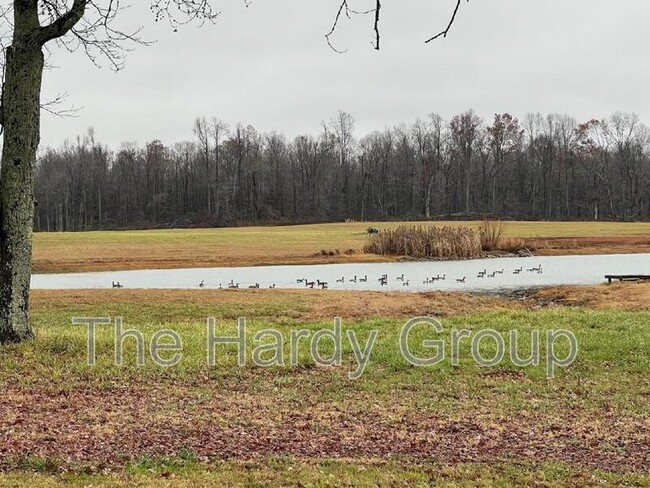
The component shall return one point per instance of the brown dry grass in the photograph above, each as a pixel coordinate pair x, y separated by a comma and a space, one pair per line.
294, 304
563, 246
323, 305
620, 296
426, 241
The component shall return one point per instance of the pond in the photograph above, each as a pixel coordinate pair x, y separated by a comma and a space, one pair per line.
403, 276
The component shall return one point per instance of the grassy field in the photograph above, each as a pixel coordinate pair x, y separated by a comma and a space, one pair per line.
301, 244
66, 423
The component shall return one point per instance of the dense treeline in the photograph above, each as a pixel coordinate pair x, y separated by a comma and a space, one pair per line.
539, 168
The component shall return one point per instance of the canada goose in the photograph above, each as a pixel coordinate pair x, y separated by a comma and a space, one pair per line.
233, 286
481, 274
272, 286
255, 286
202, 284
321, 283
342, 280
364, 279
492, 275
442, 278
426, 282
117, 284
406, 283
461, 280
301, 280
310, 284
499, 271
400, 278
354, 280
383, 280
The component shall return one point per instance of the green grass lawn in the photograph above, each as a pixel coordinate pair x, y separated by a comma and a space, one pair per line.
332, 473
68, 423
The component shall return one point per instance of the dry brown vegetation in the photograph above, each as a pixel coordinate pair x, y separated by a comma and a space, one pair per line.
619, 296
491, 232
426, 241
275, 304
562, 246
235, 424
361, 305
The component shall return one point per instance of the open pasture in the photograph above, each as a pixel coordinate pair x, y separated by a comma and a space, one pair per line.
296, 244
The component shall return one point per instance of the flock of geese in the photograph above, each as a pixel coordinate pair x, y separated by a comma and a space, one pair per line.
235, 286
383, 279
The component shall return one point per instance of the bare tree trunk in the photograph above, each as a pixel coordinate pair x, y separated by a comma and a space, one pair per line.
21, 123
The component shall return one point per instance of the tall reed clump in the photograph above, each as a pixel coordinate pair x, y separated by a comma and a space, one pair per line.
426, 242
491, 231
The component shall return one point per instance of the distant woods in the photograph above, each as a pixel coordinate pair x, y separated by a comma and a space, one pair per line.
540, 167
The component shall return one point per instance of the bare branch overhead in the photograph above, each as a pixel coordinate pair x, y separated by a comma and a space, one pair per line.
451, 22
344, 8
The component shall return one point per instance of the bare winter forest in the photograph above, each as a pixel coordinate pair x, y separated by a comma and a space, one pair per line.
541, 167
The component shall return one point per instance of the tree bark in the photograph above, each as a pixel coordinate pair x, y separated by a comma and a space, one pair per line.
21, 124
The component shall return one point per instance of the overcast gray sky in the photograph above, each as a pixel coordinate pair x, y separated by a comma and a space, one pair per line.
269, 65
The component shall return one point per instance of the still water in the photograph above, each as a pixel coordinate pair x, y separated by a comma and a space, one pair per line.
417, 276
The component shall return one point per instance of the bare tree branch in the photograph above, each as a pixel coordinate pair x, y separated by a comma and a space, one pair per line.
344, 8
64, 23
451, 22
51, 107
377, 14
